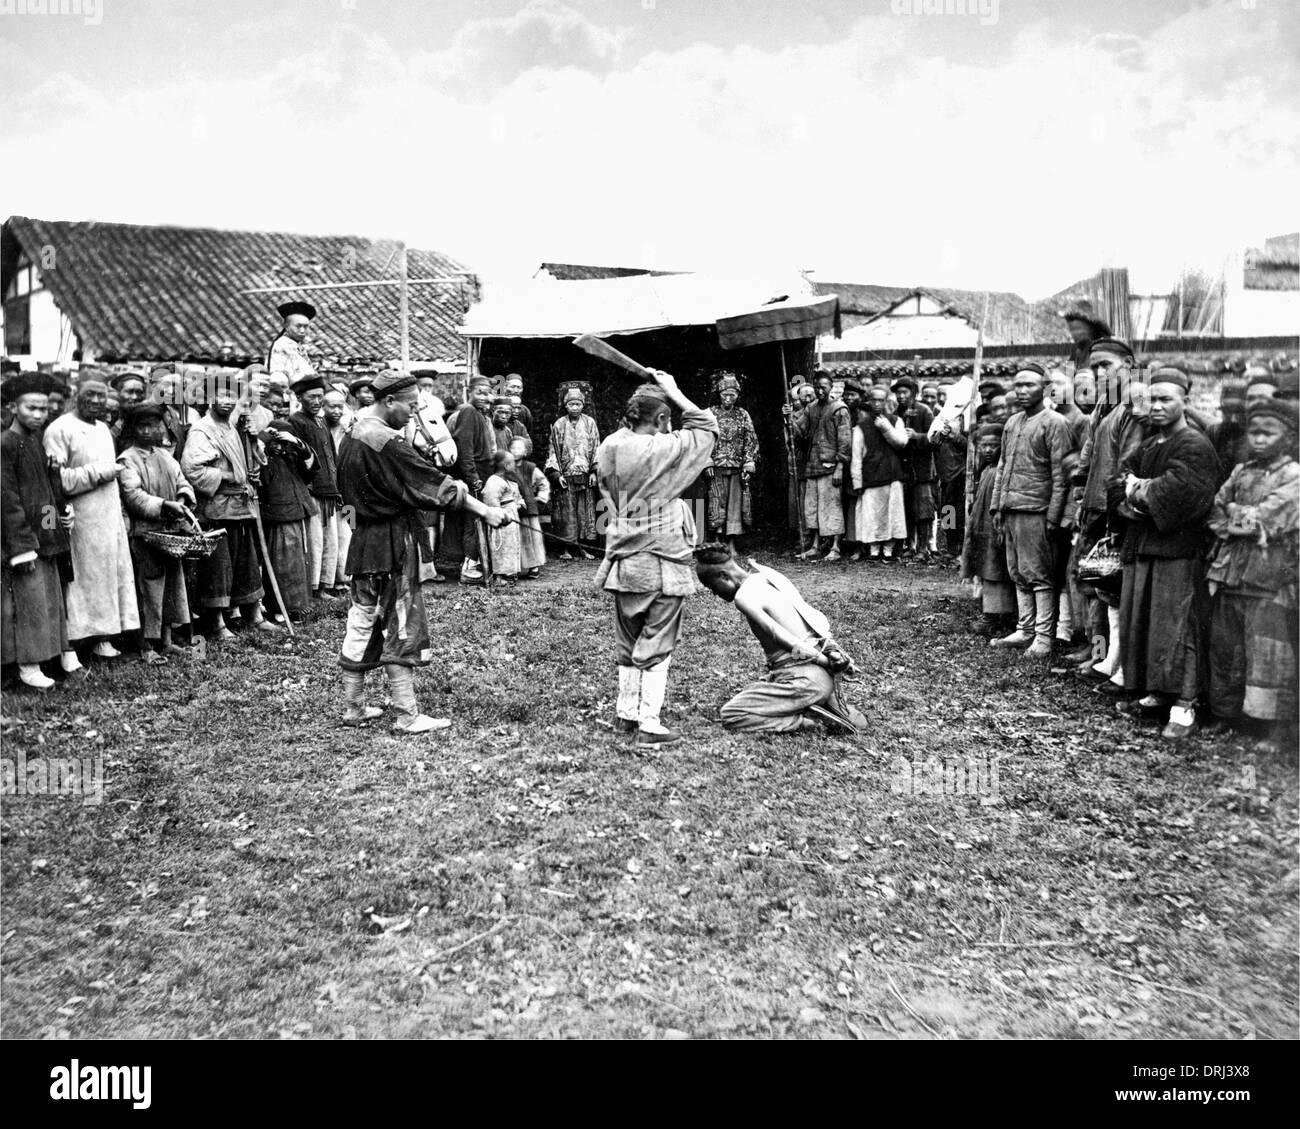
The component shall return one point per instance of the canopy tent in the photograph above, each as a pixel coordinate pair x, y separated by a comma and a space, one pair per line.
744, 312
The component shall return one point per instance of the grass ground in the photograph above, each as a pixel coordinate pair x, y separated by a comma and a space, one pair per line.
257, 871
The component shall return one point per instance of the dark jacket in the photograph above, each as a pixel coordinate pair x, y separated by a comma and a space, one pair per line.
1183, 471
324, 479
882, 463
32, 498
283, 491
476, 442
918, 459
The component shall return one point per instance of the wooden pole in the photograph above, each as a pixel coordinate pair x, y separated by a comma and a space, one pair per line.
404, 307
971, 463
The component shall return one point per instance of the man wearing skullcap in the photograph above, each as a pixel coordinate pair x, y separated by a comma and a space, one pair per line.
824, 426
130, 388
37, 555
735, 461
155, 495
217, 463
287, 506
309, 425
288, 352
362, 391
1261, 384
1029, 499
570, 466
502, 416
1288, 385
1085, 328
1252, 580
1168, 489
643, 470
471, 429
1117, 428
514, 388
387, 484
876, 478
101, 596
1229, 434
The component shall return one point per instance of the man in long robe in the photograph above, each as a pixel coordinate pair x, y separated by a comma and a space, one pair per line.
35, 519
471, 430
1168, 486
101, 597
387, 484
218, 468
309, 425
643, 469
570, 464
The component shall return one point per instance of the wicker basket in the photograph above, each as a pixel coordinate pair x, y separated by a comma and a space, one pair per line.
189, 545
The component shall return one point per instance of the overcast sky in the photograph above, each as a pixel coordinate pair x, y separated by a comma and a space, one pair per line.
1019, 150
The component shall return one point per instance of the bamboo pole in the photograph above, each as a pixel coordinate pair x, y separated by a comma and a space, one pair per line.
404, 307
970, 410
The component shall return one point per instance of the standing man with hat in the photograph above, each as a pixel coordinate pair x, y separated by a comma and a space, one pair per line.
37, 558
288, 352
1029, 496
310, 426
643, 470
226, 486
388, 484
571, 467
1167, 489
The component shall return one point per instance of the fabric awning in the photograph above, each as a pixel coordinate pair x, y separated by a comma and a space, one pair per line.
788, 319
743, 310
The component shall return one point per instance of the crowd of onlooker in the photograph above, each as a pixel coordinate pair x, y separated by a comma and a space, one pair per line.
1106, 525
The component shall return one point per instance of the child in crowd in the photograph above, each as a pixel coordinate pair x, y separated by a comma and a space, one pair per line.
984, 558
502, 490
1252, 579
535, 490
155, 495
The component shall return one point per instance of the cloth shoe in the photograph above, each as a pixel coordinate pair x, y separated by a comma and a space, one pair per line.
1044, 618
1024, 630
1106, 668
1182, 723
105, 650
31, 676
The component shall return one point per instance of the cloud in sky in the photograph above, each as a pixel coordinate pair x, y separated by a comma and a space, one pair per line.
881, 153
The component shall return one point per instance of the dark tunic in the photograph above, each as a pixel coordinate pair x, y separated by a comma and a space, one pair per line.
1164, 606
387, 484
918, 456
34, 626
283, 490
983, 554
324, 480
882, 463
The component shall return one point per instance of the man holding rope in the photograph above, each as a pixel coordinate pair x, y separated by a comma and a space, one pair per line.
385, 484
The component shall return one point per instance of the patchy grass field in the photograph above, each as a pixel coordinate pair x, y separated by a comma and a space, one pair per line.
257, 871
